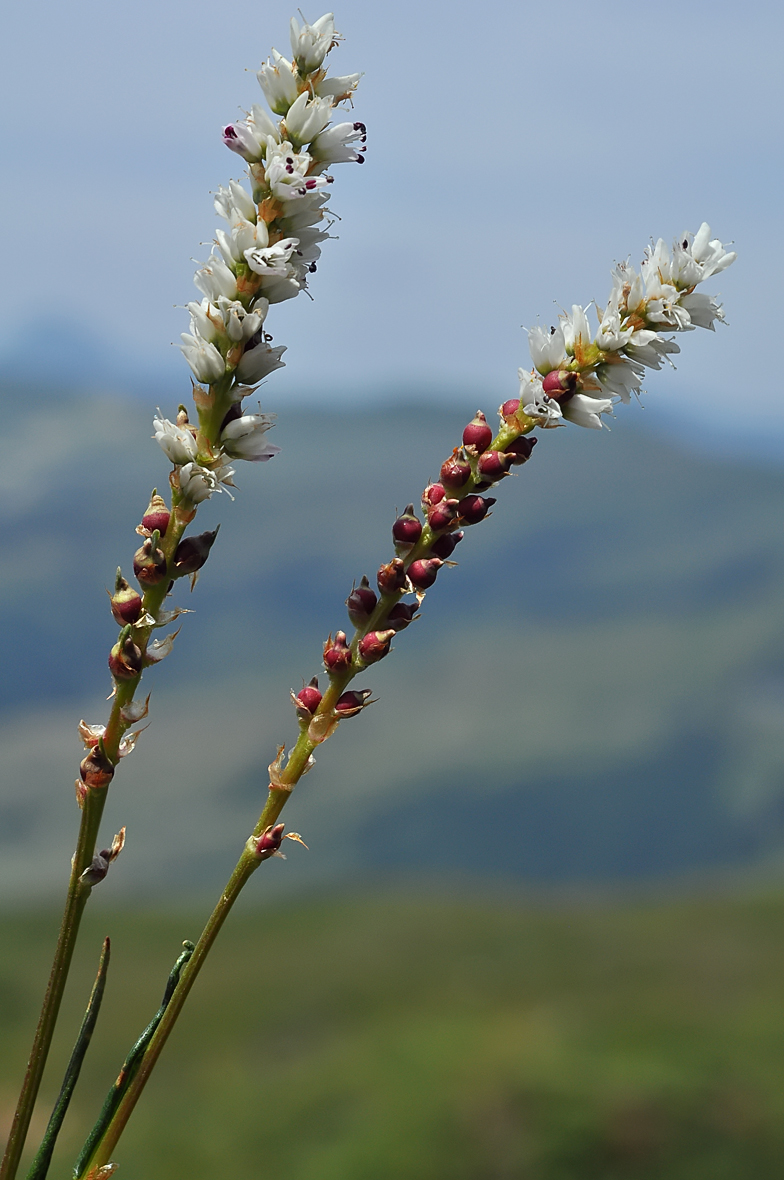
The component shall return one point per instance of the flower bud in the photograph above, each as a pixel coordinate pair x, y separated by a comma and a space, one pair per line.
494, 465
392, 577
442, 515
433, 494
446, 544
192, 553
125, 658
361, 603
375, 645
455, 472
401, 615
156, 516
477, 433
560, 384
95, 768
407, 529
270, 841
126, 602
337, 654
510, 408
521, 448
309, 697
352, 702
423, 573
149, 563
472, 509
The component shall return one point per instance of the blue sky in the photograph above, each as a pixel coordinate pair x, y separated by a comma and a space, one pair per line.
515, 152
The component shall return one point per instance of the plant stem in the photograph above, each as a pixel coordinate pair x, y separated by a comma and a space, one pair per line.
76, 900
78, 890
40, 1165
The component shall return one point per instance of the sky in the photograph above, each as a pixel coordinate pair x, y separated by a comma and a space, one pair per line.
516, 151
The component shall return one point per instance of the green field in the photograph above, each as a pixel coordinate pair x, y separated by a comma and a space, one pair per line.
402, 1036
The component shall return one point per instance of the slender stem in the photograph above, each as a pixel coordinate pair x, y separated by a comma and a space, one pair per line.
40, 1165
244, 869
78, 893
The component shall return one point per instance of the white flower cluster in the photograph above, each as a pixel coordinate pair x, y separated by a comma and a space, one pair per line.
580, 375
242, 437
274, 233
271, 243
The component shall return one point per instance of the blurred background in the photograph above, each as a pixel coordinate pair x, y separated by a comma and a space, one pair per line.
538, 930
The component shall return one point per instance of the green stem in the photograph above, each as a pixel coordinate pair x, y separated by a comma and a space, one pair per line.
78, 890
40, 1165
78, 893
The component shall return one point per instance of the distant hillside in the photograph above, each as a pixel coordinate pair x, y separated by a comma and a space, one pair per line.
596, 692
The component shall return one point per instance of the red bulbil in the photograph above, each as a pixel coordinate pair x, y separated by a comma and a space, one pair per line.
375, 645
309, 697
361, 603
401, 615
445, 545
433, 494
472, 509
407, 529
149, 563
126, 602
455, 472
442, 515
521, 448
494, 465
392, 577
95, 769
352, 702
560, 384
125, 660
270, 841
156, 516
510, 408
423, 573
477, 433
337, 653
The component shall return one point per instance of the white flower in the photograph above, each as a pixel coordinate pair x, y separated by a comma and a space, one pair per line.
278, 290
261, 125
215, 279
204, 359
273, 261
339, 88
585, 411
545, 408
331, 146
650, 349
244, 235
711, 255
611, 335
244, 438
548, 349
620, 376
197, 483
576, 333
242, 139
235, 202
279, 83
257, 363
311, 43
307, 117
703, 309
286, 172
177, 442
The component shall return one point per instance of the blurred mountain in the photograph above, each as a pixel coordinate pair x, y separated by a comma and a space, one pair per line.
596, 693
